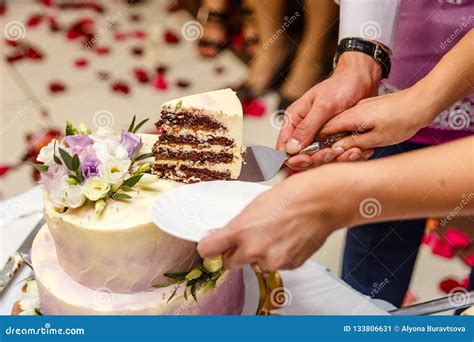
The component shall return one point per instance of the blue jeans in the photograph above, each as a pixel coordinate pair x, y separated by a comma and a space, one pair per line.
379, 258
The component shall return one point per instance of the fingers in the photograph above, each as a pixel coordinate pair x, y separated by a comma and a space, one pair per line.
304, 161
294, 114
363, 141
355, 154
217, 243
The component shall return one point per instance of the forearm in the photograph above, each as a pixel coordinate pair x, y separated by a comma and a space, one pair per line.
428, 182
450, 80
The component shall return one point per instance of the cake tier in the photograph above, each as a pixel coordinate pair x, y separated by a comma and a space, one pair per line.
200, 137
122, 249
62, 295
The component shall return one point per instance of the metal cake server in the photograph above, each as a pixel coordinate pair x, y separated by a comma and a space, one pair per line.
15, 261
262, 163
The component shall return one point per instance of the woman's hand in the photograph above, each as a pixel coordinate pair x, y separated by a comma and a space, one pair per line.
380, 121
356, 77
284, 226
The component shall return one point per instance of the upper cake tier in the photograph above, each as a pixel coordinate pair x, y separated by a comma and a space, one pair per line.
121, 250
200, 138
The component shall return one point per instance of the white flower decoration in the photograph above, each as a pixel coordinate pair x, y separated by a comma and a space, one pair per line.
147, 179
30, 301
108, 147
67, 195
95, 188
114, 171
46, 154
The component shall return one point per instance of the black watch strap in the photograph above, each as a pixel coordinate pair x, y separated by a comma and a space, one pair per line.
375, 50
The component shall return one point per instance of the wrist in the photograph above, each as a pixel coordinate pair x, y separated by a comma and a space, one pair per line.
427, 109
361, 66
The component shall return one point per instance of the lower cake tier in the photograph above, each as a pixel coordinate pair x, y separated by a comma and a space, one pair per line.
61, 295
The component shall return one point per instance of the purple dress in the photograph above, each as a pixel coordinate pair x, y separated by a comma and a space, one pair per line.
427, 30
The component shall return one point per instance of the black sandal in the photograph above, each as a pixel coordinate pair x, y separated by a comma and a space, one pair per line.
222, 18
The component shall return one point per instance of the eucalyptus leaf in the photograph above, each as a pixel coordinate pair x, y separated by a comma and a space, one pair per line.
125, 188
176, 276
119, 196
178, 105
57, 160
174, 293
186, 292
131, 181
140, 124
143, 156
41, 167
38, 312
67, 159
193, 292
75, 163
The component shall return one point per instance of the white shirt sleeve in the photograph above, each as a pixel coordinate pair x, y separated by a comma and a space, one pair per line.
369, 19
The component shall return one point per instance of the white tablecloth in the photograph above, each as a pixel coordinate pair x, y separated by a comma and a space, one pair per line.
310, 290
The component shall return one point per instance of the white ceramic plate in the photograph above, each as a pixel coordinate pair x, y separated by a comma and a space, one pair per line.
252, 294
190, 211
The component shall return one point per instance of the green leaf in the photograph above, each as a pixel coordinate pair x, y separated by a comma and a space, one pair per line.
132, 124
173, 294
178, 105
119, 196
176, 276
70, 129
67, 159
140, 124
185, 293
38, 312
193, 292
143, 156
75, 163
79, 175
57, 160
131, 181
125, 188
41, 167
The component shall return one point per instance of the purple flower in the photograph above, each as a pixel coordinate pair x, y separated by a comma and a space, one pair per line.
90, 167
76, 143
131, 142
51, 178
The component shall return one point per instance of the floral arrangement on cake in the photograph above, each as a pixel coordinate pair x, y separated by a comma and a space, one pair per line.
93, 167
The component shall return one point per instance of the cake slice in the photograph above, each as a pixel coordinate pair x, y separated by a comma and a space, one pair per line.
199, 138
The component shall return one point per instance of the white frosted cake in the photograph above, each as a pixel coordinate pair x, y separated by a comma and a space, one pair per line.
100, 252
200, 138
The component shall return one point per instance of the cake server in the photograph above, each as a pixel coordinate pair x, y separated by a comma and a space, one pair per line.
15, 261
262, 163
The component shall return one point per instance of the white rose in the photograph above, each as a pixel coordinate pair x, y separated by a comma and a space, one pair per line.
148, 179
67, 195
95, 188
107, 147
30, 300
114, 170
46, 154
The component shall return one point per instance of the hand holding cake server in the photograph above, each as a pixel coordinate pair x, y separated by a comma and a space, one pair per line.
284, 226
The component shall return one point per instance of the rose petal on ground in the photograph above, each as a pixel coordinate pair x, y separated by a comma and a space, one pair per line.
254, 107
121, 88
457, 238
57, 87
171, 37
159, 82
448, 284
81, 62
141, 75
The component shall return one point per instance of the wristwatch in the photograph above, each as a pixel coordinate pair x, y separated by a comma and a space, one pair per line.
376, 50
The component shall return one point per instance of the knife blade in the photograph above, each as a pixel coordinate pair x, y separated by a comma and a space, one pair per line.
15, 261
262, 163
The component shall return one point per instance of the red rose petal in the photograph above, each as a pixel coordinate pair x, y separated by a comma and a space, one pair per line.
449, 284
443, 249
81, 62
171, 37
254, 107
33, 54
57, 87
431, 239
469, 260
34, 20
141, 75
11, 42
465, 282
3, 8
137, 51
53, 24
120, 36
47, 3
457, 238
159, 82
183, 84
102, 50
121, 87
237, 41
4, 169
14, 57
173, 7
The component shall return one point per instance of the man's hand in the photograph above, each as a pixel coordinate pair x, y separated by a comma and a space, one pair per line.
356, 77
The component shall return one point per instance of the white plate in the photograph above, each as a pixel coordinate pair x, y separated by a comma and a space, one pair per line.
252, 292
190, 211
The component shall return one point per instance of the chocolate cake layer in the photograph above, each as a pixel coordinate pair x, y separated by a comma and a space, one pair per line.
191, 119
191, 174
196, 156
192, 140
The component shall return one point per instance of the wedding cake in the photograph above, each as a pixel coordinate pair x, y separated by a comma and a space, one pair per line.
99, 251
